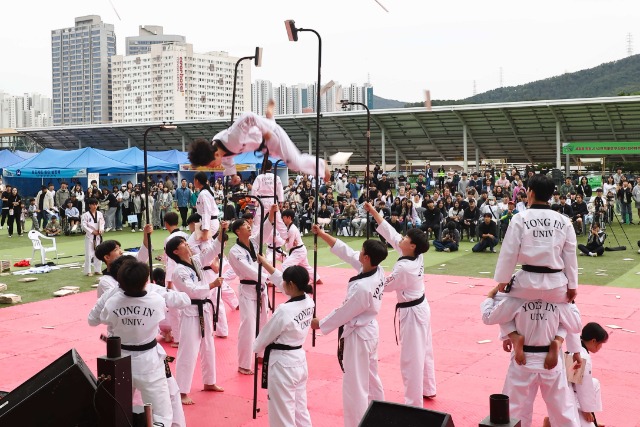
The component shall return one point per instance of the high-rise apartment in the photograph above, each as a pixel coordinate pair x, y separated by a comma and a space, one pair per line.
27, 110
149, 35
171, 83
81, 72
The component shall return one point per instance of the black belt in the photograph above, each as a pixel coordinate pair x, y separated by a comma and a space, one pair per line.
167, 368
538, 269
206, 267
265, 359
278, 249
266, 197
294, 248
341, 347
404, 305
200, 303
536, 348
214, 217
255, 283
143, 347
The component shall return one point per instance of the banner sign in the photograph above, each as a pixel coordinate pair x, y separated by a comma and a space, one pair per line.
45, 173
584, 148
240, 168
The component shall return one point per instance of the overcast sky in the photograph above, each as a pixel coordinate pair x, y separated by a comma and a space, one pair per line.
443, 46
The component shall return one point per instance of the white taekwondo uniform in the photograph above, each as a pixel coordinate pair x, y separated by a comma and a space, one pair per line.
538, 321
297, 250
173, 299
356, 319
287, 331
263, 189
173, 314
196, 321
89, 224
207, 208
416, 347
246, 135
108, 282
587, 394
241, 259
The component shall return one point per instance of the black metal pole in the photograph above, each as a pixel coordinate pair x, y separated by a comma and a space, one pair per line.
146, 194
216, 313
315, 236
258, 308
275, 219
368, 177
235, 80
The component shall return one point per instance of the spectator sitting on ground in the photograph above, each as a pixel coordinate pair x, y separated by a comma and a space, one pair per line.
595, 242
73, 216
53, 227
555, 199
450, 239
487, 231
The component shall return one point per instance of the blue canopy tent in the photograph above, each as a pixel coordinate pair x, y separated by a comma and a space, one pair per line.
7, 158
171, 156
56, 166
25, 154
134, 157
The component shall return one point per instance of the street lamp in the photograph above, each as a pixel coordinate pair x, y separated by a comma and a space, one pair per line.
257, 60
345, 103
292, 33
163, 127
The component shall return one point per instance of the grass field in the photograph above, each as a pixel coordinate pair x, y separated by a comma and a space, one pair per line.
462, 263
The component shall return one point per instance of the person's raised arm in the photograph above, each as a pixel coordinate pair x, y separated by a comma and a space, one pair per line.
329, 239
373, 212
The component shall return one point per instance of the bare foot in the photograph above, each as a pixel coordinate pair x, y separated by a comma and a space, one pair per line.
433, 396
546, 422
168, 337
271, 107
221, 336
213, 387
551, 360
518, 348
319, 282
245, 371
175, 344
186, 400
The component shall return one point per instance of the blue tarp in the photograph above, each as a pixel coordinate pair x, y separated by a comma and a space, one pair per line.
7, 158
25, 154
75, 160
171, 156
134, 157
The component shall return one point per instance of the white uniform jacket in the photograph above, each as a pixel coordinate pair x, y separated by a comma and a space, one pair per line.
207, 207
363, 301
588, 393
539, 237
89, 224
538, 321
170, 264
288, 325
108, 282
196, 286
263, 186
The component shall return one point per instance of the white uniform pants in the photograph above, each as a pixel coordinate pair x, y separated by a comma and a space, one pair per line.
173, 319
192, 343
521, 385
299, 257
90, 254
288, 396
583, 422
155, 392
255, 230
229, 295
416, 358
176, 404
360, 382
247, 329
222, 327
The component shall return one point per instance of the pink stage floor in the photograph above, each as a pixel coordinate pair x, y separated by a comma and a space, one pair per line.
467, 372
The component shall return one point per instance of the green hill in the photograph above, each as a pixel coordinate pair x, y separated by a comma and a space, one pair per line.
615, 78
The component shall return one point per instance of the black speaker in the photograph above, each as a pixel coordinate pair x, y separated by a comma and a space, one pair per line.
386, 414
59, 395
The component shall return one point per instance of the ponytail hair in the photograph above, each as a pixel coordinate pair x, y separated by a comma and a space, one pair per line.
299, 276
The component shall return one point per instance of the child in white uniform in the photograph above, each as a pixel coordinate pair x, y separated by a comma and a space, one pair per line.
92, 223
357, 326
206, 206
249, 133
134, 315
284, 368
416, 351
538, 322
196, 323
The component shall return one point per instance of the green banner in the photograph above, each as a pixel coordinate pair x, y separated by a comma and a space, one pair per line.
586, 148
594, 182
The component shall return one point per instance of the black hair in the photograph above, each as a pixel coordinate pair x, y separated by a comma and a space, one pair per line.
299, 276
133, 276
290, 213
92, 201
117, 263
201, 152
268, 164
542, 187
171, 219
158, 275
593, 330
451, 225
201, 177
105, 248
375, 250
247, 215
171, 246
237, 224
195, 217
418, 238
